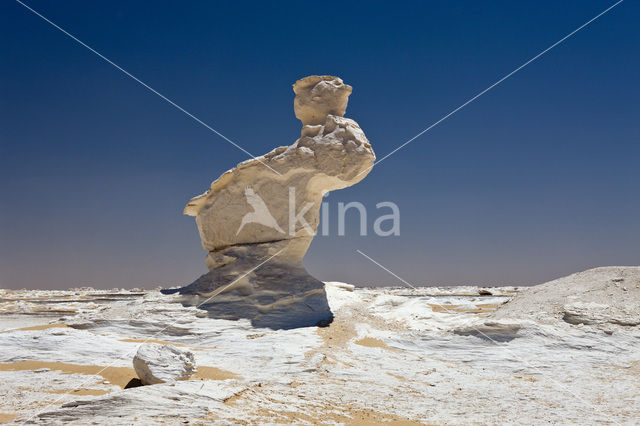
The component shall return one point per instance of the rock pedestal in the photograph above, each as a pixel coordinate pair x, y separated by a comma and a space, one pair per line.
257, 220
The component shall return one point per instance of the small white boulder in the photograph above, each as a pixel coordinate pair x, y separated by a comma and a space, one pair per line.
156, 363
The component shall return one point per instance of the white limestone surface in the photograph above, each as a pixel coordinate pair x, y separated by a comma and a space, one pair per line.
419, 356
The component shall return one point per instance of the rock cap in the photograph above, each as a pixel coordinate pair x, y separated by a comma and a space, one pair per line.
318, 96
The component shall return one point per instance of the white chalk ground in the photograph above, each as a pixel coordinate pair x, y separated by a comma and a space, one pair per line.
426, 356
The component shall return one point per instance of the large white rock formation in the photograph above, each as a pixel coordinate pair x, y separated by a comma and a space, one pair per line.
269, 206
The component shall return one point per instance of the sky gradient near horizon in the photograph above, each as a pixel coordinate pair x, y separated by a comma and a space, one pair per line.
536, 179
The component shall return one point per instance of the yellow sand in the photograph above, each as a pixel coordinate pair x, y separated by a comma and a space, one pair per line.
37, 327
372, 342
119, 376
6, 418
486, 307
213, 373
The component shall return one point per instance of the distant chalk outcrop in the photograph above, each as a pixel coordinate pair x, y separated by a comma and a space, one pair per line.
606, 295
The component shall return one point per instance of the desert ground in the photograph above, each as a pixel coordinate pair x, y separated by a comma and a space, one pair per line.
450, 355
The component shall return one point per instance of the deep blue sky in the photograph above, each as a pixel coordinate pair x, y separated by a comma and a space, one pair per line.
536, 179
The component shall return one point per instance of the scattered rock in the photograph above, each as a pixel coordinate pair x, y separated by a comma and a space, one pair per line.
155, 363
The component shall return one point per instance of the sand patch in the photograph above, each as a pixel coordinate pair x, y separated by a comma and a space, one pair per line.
372, 342
37, 327
361, 417
339, 332
482, 308
213, 373
443, 308
119, 376
335, 336
6, 417
352, 416
318, 414
457, 309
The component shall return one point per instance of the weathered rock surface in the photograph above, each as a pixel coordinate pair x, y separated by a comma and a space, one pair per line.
598, 313
161, 404
607, 295
387, 352
257, 220
155, 363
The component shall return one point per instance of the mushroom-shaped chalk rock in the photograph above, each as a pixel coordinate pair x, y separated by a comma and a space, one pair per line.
256, 221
